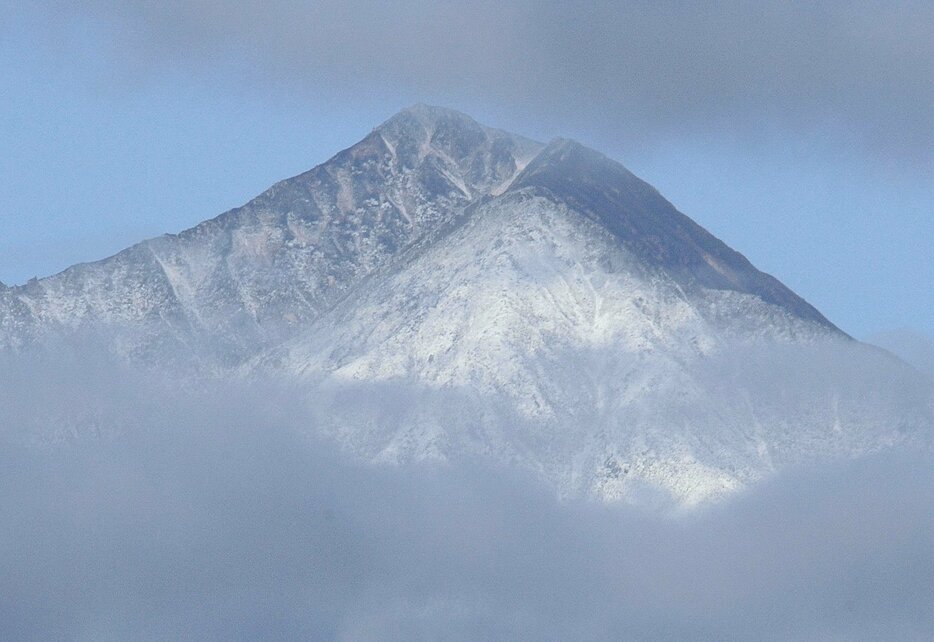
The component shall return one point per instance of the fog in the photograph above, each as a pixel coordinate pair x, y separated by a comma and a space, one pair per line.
208, 511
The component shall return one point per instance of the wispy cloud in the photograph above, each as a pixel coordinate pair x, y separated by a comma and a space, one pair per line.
854, 72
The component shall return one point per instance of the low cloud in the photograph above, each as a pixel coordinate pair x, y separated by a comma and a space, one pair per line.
215, 515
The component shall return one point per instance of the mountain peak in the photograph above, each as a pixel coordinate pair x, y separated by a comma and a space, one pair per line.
479, 159
286, 256
425, 124
427, 119
430, 116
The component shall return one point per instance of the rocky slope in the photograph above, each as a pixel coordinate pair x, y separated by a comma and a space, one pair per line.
229, 287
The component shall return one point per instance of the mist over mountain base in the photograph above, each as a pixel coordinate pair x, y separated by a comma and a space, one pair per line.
141, 507
214, 514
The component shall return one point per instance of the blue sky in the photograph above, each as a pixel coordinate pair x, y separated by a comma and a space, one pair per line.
120, 124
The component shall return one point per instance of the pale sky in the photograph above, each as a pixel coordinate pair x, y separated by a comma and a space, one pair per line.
800, 136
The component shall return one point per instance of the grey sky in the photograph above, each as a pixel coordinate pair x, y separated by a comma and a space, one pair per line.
857, 71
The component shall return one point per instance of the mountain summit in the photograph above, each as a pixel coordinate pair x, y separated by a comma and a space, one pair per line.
487, 294
245, 280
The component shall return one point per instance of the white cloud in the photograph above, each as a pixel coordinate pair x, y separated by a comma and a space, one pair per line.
217, 517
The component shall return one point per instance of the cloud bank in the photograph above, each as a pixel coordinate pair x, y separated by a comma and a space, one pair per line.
211, 514
638, 71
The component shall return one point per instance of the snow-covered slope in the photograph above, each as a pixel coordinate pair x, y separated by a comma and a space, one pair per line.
227, 288
443, 290
529, 333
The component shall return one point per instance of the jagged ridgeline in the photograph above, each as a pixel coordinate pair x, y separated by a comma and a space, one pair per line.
478, 293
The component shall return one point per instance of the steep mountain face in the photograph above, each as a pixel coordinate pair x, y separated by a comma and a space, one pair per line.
235, 284
650, 227
530, 333
442, 289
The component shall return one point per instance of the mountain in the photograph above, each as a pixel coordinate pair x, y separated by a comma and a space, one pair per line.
443, 289
232, 285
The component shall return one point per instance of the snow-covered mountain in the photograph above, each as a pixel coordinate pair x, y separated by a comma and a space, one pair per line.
227, 288
442, 289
